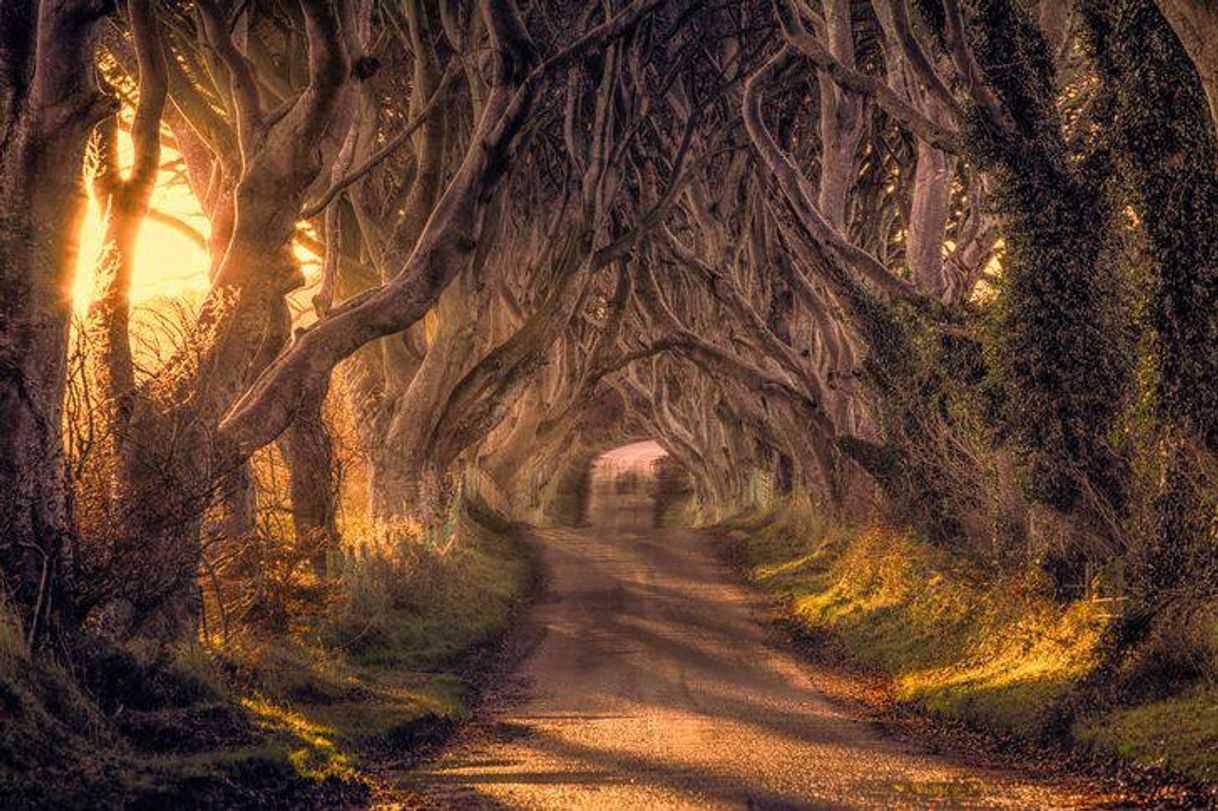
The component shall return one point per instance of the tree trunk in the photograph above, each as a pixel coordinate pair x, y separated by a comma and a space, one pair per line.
390, 489
125, 202
929, 211
841, 120
508, 457
312, 485
400, 463
237, 511
51, 105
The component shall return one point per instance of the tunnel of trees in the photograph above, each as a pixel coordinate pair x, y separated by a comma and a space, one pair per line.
950, 265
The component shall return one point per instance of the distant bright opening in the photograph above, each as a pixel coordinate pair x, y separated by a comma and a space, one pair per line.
622, 486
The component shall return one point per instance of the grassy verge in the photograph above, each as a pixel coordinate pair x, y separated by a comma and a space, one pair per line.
994, 655
270, 720
1179, 734
390, 673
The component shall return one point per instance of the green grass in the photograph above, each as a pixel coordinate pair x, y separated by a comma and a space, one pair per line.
989, 655
1179, 734
995, 655
384, 672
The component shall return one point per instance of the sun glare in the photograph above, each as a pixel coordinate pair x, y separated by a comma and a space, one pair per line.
168, 263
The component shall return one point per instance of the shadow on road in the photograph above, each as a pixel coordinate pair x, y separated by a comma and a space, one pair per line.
657, 685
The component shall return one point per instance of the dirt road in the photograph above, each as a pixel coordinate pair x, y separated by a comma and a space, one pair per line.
656, 685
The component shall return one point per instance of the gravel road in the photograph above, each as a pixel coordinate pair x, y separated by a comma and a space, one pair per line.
657, 684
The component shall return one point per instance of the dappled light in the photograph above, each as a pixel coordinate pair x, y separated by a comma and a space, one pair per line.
608, 404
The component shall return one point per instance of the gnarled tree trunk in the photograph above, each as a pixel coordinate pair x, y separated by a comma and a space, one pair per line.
312, 485
50, 105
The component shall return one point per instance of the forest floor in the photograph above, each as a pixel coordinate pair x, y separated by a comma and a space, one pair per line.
271, 721
657, 680
647, 674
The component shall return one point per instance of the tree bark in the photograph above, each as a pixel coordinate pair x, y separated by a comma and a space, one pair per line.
400, 460
312, 485
177, 467
51, 104
841, 120
449, 239
930, 208
125, 203
1196, 24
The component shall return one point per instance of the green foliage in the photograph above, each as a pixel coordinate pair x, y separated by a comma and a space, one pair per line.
1175, 559
1060, 337
1017, 61
1164, 146
1060, 345
920, 369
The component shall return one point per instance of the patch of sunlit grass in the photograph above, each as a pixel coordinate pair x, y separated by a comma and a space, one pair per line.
375, 673
1013, 673
315, 753
412, 600
989, 655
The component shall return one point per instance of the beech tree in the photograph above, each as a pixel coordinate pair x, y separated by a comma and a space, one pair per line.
948, 261
208, 411
51, 104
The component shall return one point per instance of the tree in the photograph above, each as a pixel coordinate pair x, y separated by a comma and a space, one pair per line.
51, 102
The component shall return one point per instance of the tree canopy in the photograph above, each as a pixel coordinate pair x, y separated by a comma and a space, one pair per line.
954, 262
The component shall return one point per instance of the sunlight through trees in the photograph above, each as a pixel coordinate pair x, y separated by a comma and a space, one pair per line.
301, 298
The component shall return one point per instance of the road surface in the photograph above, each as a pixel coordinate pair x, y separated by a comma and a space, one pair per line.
657, 684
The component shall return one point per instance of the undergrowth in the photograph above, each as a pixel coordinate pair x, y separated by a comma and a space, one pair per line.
271, 720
